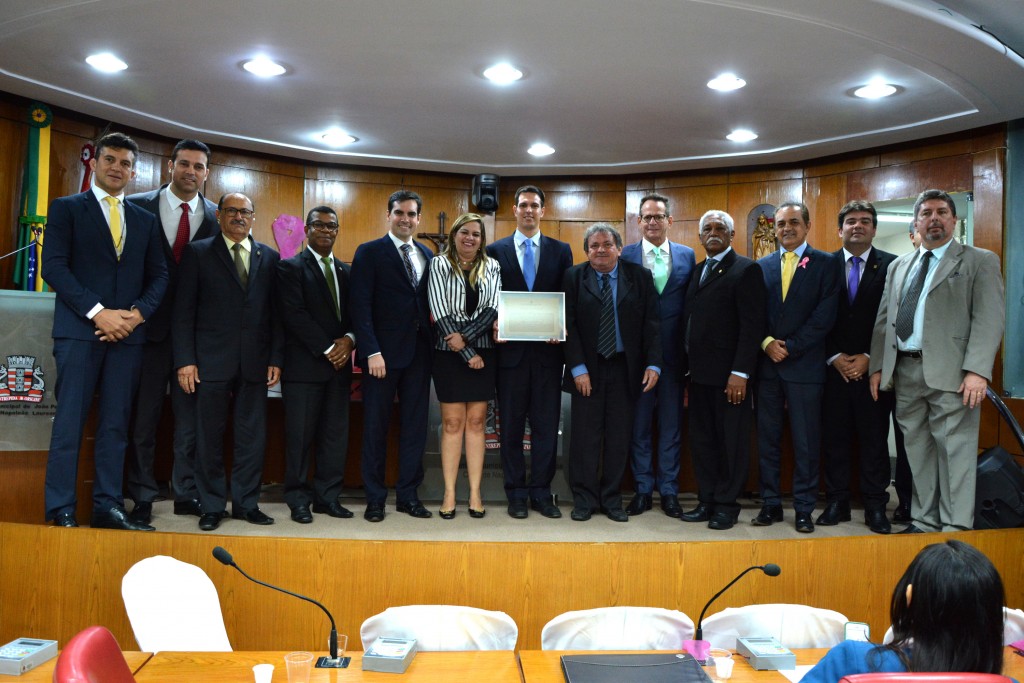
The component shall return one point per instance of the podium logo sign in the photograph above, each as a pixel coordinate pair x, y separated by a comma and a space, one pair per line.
22, 380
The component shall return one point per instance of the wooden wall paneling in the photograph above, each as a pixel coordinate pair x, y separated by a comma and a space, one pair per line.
845, 164
691, 179
12, 163
990, 137
380, 176
765, 174
254, 161
824, 196
933, 149
687, 232
989, 210
952, 174
272, 195
572, 232
504, 227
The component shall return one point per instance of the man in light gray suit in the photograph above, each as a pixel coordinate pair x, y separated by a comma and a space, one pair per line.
938, 329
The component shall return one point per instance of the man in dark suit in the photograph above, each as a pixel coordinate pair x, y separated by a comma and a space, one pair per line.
313, 295
530, 373
227, 346
671, 265
184, 216
725, 305
850, 414
392, 323
102, 258
802, 293
612, 355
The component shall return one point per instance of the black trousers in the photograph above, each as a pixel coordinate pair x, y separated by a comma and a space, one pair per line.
720, 445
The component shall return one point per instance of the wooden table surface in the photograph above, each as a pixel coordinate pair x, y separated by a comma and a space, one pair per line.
44, 672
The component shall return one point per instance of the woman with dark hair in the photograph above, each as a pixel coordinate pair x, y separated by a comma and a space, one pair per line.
947, 615
463, 294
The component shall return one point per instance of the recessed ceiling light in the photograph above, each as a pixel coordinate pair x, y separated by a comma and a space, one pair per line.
106, 62
263, 67
503, 74
337, 138
875, 90
540, 149
726, 82
742, 135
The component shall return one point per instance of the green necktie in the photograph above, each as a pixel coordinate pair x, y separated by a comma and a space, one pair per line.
243, 274
660, 270
329, 276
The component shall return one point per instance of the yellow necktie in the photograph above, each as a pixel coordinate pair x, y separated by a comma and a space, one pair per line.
116, 230
788, 268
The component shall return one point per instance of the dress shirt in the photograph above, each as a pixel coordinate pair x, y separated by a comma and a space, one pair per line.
914, 341
246, 246
170, 215
337, 287
105, 208
419, 262
519, 238
648, 251
847, 258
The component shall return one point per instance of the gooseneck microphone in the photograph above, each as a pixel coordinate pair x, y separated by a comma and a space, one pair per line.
769, 569
332, 662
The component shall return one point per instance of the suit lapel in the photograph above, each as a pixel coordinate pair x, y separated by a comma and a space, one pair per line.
869, 274
317, 271
800, 272
950, 260
721, 268
591, 284
93, 210
772, 267
623, 286
226, 258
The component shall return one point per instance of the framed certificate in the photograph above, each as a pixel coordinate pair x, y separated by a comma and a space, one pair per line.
531, 316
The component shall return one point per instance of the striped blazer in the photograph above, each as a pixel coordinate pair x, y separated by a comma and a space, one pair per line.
446, 293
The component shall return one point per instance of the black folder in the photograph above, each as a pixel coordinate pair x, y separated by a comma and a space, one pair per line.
653, 668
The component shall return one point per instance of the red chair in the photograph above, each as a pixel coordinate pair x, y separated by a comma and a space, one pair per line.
925, 677
92, 656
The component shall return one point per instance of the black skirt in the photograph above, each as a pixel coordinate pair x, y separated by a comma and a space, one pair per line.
456, 382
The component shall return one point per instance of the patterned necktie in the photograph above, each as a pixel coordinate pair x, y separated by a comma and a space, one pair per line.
329, 276
409, 270
181, 239
788, 268
709, 268
606, 331
116, 228
853, 278
243, 274
529, 264
908, 307
660, 271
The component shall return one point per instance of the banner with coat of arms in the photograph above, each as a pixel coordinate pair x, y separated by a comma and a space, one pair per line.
27, 371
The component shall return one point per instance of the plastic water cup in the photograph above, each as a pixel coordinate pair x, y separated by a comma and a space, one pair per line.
299, 664
263, 672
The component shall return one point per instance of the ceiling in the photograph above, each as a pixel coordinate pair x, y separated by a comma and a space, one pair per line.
615, 86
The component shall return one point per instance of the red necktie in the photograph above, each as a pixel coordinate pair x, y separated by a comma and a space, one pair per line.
181, 239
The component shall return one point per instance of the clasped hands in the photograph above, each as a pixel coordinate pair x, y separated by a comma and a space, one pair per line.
341, 352
851, 368
113, 325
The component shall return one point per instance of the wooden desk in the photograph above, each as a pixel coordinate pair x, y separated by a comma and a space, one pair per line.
44, 672
226, 667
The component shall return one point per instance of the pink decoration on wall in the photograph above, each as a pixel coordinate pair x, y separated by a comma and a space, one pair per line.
289, 232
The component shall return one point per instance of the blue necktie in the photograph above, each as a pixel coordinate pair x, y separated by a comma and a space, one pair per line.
529, 266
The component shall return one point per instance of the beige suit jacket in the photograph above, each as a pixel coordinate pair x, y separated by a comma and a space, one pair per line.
963, 318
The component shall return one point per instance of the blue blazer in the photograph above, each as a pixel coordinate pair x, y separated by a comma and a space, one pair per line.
388, 315
673, 298
80, 264
806, 317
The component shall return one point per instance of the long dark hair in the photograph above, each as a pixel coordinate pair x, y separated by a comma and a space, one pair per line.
954, 619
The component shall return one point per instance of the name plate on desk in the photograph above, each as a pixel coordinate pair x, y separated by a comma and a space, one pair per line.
531, 316
661, 668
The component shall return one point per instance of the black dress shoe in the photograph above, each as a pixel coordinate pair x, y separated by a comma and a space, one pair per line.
209, 521
142, 513
302, 515
446, 514
670, 506
834, 513
253, 516
580, 514
616, 514
414, 509
640, 504
901, 515
803, 523
374, 512
517, 509
877, 522
479, 514
117, 518
188, 507
546, 508
912, 530
701, 513
65, 519
768, 515
720, 521
332, 509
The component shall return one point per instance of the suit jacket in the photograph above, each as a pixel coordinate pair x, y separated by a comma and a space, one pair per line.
219, 325
310, 322
672, 299
963, 317
388, 314
80, 264
726, 320
159, 326
636, 302
555, 260
855, 322
804, 319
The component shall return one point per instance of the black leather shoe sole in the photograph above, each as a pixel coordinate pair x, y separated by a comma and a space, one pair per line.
414, 510
877, 522
670, 506
701, 513
580, 514
254, 516
374, 513
640, 504
720, 521
302, 515
616, 515
518, 510
142, 513
116, 518
803, 523
336, 510
210, 521
768, 516
187, 507
546, 508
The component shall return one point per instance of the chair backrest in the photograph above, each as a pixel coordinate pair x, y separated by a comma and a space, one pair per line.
92, 656
617, 628
443, 627
173, 605
1013, 627
795, 626
925, 677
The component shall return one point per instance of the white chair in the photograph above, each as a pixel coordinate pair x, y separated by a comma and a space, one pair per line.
795, 626
173, 605
443, 627
1013, 627
617, 628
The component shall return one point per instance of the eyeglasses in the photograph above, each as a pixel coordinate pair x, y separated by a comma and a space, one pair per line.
323, 227
654, 218
244, 213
